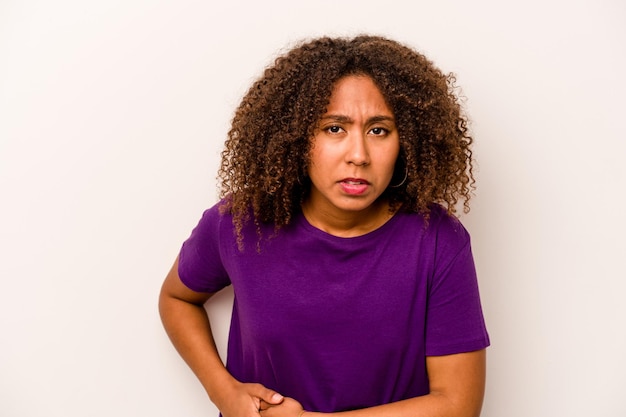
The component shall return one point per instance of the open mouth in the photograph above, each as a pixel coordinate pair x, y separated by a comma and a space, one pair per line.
354, 186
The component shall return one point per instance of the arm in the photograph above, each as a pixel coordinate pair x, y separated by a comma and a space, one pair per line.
457, 385
187, 325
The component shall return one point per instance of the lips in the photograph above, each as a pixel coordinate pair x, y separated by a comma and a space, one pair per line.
354, 186
355, 181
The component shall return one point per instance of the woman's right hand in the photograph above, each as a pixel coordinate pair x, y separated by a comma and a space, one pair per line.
245, 400
187, 325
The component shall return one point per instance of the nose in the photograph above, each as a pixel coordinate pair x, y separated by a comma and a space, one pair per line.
358, 152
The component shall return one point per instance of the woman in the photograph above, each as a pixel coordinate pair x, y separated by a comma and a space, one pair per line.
355, 288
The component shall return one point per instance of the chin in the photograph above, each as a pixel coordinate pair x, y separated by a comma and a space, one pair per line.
357, 206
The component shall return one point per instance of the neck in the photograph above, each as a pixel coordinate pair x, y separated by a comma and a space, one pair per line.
348, 224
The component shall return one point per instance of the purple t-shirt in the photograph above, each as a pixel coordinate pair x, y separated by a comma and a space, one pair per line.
341, 323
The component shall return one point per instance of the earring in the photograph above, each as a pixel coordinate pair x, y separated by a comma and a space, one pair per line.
406, 175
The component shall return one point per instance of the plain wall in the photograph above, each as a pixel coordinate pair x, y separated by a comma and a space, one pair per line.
112, 117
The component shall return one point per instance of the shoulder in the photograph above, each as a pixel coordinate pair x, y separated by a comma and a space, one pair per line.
438, 224
218, 225
451, 240
200, 263
441, 234
446, 225
216, 215
210, 225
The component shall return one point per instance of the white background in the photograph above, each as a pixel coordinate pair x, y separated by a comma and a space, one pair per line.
112, 117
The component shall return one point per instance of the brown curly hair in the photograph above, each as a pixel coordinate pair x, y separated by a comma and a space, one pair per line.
263, 172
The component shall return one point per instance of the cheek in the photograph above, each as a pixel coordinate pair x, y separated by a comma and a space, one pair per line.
392, 157
319, 157
313, 160
315, 167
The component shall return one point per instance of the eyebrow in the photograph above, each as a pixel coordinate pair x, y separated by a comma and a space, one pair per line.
345, 119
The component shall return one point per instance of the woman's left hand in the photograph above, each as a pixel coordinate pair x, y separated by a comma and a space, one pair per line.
288, 408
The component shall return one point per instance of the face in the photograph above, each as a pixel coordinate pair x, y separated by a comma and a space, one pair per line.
354, 150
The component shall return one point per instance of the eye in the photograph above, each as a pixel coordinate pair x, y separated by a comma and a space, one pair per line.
379, 131
334, 129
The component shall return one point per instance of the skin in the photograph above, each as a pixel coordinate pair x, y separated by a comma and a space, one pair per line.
352, 161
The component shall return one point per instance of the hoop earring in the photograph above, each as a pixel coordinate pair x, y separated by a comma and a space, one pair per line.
406, 175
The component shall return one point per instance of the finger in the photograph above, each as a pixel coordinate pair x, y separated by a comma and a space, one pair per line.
264, 406
266, 394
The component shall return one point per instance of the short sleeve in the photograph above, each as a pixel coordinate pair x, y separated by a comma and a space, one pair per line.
200, 264
454, 322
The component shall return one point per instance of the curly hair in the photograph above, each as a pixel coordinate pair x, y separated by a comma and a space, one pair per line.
263, 172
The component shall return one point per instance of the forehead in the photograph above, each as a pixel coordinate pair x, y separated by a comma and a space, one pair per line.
357, 94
